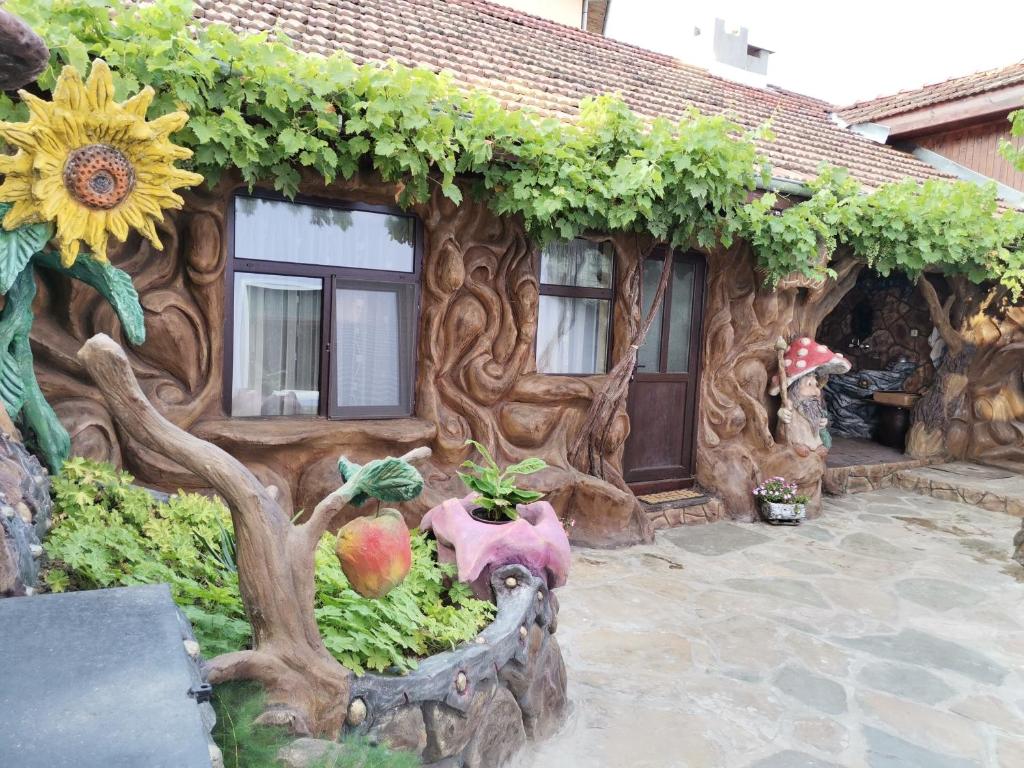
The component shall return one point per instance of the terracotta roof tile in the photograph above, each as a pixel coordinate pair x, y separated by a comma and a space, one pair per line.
525, 60
936, 93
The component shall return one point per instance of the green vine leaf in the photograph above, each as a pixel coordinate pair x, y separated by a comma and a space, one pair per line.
689, 182
18, 246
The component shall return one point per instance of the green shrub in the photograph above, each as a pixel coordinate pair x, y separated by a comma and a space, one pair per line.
247, 745
108, 533
427, 613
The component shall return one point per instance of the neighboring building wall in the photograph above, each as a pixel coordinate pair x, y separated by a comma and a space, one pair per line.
563, 11
977, 148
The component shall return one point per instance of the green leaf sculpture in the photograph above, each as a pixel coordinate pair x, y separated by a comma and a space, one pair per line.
387, 479
17, 247
21, 251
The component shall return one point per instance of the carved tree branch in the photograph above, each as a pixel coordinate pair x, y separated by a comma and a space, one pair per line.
304, 683
940, 316
325, 512
587, 449
821, 302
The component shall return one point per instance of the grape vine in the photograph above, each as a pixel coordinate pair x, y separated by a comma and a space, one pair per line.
260, 106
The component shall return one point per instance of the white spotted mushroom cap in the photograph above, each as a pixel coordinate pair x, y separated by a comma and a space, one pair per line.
804, 356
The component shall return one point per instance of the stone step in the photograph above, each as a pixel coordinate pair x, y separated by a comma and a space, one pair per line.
996, 489
695, 511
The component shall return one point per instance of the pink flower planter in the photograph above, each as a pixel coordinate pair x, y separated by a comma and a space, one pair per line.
536, 541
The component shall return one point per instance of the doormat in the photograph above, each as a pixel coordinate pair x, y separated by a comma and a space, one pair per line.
661, 498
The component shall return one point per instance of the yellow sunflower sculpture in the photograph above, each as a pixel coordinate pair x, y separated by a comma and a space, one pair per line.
91, 165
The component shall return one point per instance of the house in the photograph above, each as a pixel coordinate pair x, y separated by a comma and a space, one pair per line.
955, 126
290, 332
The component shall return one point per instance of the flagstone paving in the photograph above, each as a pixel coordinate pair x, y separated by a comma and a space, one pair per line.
889, 632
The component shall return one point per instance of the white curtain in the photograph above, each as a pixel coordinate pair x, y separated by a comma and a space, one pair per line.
276, 358
572, 335
576, 262
369, 347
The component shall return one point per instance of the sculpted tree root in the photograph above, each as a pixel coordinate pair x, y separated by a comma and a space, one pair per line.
307, 689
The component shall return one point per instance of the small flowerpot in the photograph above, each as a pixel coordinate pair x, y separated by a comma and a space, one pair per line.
535, 540
480, 515
775, 512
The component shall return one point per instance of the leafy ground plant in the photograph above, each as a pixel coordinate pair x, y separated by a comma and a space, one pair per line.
109, 532
497, 493
247, 745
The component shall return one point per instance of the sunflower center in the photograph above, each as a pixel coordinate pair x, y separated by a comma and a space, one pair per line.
98, 176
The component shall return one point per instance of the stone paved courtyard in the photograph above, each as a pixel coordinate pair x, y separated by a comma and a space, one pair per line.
890, 632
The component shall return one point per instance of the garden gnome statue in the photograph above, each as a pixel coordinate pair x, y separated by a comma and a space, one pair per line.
803, 420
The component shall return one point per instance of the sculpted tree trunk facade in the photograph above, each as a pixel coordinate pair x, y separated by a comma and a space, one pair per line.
975, 408
742, 321
476, 375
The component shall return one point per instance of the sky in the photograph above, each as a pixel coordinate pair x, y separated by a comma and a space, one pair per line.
844, 50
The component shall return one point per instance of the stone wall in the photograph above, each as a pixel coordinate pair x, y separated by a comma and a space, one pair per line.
24, 516
473, 707
673, 515
882, 312
860, 478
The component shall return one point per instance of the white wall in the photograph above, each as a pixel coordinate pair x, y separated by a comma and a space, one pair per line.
563, 11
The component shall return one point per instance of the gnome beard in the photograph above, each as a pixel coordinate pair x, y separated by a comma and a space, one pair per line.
807, 418
812, 408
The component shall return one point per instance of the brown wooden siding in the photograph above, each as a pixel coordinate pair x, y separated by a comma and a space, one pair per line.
977, 148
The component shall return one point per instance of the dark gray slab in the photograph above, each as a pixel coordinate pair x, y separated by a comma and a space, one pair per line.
97, 680
715, 539
915, 647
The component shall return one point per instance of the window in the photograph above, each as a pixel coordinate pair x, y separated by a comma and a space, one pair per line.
323, 310
666, 348
575, 307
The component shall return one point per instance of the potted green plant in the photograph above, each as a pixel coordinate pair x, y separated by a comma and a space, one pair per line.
497, 495
780, 502
499, 524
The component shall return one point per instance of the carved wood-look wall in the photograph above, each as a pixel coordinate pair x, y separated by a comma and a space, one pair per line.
476, 375
988, 421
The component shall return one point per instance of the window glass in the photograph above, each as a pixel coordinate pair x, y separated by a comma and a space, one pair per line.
648, 357
373, 346
580, 263
682, 314
276, 230
572, 335
276, 352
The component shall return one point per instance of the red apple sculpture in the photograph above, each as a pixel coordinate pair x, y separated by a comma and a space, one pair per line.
375, 552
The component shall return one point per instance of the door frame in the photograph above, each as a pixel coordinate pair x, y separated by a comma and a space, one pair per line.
691, 404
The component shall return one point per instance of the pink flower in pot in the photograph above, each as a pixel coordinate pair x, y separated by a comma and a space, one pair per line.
499, 524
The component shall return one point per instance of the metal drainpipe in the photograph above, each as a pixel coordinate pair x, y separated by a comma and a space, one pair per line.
586, 10
788, 187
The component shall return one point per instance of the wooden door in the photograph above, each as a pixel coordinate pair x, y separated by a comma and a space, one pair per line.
662, 403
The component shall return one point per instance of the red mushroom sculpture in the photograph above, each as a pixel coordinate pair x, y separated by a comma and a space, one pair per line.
803, 417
